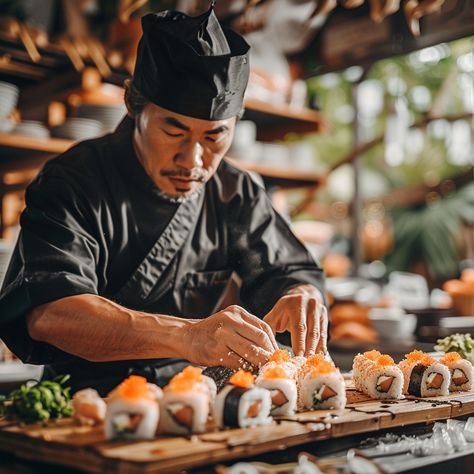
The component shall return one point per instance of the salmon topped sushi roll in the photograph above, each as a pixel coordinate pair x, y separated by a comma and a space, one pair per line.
377, 375
132, 410
320, 385
462, 372
88, 407
241, 403
424, 376
282, 389
186, 402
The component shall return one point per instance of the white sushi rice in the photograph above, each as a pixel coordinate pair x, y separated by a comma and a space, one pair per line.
287, 387
466, 368
120, 412
197, 401
250, 396
431, 371
310, 389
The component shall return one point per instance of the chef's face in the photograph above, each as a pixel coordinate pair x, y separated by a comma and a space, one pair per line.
178, 152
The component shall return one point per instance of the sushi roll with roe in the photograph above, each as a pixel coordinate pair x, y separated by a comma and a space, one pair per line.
242, 404
186, 403
462, 372
132, 410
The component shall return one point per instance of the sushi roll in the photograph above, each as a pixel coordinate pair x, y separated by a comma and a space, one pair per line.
462, 372
132, 410
377, 376
320, 385
241, 403
88, 407
282, 389
423, 376
186, 402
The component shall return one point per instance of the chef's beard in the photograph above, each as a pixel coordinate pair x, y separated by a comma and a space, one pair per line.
198, 175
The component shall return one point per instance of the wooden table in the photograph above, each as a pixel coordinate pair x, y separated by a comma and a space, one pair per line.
66, 444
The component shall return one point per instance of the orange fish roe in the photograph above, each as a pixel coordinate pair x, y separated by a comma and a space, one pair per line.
185, 380
275, 373
384, 360
324, 367
280, 356
134, 388
427, 360
415, 356
372, 355
315, 360
242, 379
450, 358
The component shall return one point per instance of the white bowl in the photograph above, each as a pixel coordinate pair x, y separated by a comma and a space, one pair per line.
394, 327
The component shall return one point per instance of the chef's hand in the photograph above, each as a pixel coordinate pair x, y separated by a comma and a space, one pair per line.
231, 337
301, 312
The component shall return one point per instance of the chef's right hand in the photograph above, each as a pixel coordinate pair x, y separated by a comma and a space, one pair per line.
232, 337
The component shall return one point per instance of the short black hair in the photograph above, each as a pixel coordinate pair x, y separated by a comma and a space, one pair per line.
134, 99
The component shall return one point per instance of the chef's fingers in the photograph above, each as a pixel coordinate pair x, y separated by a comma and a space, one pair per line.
262, 325
255, 335
231, 360
323, 331
298, 329
313, 311
247, 351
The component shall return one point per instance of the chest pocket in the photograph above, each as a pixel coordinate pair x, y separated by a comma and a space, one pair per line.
202, 291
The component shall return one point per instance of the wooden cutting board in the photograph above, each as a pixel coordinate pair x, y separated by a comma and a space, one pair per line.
65, 443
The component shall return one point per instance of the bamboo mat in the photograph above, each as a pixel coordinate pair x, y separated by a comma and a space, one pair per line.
64, 443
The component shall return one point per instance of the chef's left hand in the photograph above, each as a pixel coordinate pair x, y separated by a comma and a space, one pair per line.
301, 311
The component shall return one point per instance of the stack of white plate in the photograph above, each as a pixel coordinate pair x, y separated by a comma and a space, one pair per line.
8, 98
6, 249
78, 129
109, 115
31, 128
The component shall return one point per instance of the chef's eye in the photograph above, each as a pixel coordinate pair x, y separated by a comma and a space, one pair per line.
173, 134
211, 139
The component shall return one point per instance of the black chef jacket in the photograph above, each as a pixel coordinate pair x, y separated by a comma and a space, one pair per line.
95, 223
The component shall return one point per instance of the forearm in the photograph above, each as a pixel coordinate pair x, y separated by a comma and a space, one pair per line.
97, 329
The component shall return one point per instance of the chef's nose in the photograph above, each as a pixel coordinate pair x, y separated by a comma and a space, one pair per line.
190, 156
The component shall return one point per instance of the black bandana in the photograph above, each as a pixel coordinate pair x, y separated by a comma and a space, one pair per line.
192, 65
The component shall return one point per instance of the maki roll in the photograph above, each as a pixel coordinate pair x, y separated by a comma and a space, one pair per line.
321, 385
423, 376
241, 403
132, 410
377, 376
282, 389
186, 402
88, 407
462, 372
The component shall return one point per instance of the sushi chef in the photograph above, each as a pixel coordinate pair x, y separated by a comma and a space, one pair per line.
128, 241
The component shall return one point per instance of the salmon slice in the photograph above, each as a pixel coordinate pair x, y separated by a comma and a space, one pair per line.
436, 381
327, 392
278, 398
459, 377
182, 414
384, 383
134, 421
254, 409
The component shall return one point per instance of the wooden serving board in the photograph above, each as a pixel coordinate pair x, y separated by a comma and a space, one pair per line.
65, 443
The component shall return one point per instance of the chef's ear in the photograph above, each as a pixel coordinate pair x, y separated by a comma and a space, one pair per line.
134, 100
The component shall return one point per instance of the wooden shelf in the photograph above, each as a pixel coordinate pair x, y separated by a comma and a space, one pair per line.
274, 122
287, 178
36, 145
